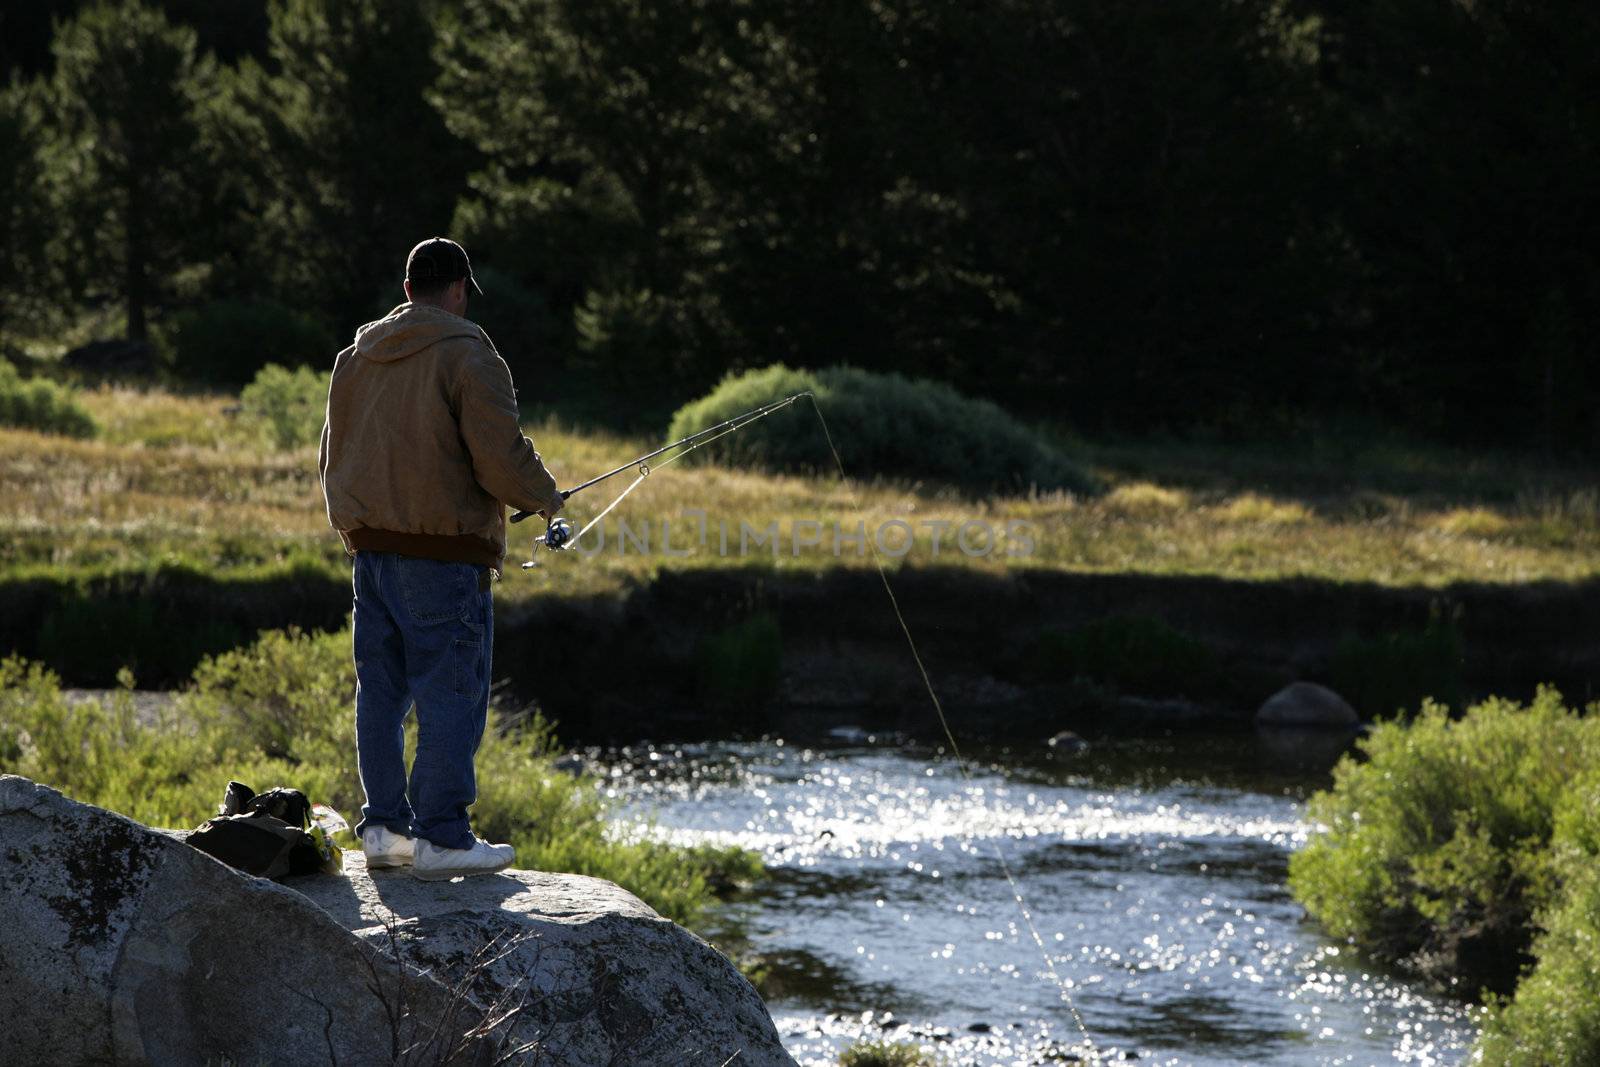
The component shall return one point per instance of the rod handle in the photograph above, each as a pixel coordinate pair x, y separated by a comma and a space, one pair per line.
518, 516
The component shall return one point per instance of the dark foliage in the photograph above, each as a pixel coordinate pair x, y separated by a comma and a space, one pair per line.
1244, 219
228, 341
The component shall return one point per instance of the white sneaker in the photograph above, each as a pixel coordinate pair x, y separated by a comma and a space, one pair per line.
385, 848
435, 864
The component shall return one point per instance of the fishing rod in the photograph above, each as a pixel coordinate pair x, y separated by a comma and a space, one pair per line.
560, 531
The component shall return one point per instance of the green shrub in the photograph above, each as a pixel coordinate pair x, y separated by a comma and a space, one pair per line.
1384, 674
281, 712
884, 425
1556, 1009
287, 407
886, 1054
247, 690
40, 404
1135, 653
741, 663
104, 751
1436, 854
227, 342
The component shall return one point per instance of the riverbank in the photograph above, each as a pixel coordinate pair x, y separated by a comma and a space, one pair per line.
1204, 577
742, 652
1018, 656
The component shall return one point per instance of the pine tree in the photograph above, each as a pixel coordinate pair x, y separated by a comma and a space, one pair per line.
121, 157
24, 223
350, 164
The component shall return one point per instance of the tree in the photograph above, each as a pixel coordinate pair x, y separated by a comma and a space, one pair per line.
1466, 149
24, 219
345, 164
121, 158
610, 129
1078, 207
1073, 206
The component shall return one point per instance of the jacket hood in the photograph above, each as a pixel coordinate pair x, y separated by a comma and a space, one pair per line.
409, 329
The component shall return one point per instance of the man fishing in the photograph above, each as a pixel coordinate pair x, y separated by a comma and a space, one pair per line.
420, 453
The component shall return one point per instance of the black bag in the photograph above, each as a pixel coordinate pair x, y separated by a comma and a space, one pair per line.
270, 834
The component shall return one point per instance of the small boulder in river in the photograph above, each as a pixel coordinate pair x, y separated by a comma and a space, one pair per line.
1067, 743
1307, 705
120, 944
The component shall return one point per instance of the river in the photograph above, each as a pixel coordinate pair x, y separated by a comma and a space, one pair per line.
1154, 871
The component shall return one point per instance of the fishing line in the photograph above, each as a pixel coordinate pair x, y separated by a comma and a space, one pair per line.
739, 422
961, 761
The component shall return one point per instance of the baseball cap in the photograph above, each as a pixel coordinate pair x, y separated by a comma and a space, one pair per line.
439, 259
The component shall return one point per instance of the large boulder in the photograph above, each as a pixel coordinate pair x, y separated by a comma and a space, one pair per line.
122, 945
593, 975
119, 944
1307, 705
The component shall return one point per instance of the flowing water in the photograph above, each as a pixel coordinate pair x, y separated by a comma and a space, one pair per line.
1155, 873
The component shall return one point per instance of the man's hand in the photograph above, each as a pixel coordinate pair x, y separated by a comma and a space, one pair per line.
550, 512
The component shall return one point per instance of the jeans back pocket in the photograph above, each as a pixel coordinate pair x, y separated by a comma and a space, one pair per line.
434, 590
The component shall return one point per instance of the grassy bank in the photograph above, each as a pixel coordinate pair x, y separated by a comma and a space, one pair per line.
177, 479
180, 531
279, 712
1463, 852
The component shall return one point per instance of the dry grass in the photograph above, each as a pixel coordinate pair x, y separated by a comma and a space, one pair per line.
172, 478
1138, 499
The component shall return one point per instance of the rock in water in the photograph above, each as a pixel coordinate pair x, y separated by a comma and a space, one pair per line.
1067, 743
119, 944
1307, 705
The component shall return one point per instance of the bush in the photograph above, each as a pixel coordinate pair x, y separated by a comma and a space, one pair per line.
1557, 1005
885, 1054
105, 752
280, 712
287, 407
884, 425
39, 404
1436, 855
227, 342
1135, 653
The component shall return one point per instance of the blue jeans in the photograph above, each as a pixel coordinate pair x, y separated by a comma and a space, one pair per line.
424, 634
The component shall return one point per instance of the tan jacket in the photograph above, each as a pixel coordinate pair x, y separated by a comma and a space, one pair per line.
421, 446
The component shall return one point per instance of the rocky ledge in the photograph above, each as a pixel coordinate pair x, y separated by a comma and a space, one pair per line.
120, 944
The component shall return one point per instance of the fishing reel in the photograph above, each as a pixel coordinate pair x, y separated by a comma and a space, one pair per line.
556, 536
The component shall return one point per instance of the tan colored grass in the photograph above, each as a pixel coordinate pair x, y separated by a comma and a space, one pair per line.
1145, 498
1253, 508
167, 480
1472, 522
159, 419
